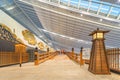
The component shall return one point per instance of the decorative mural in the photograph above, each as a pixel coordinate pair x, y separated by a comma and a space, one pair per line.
16, 32
41, 45
46, 46
6, 33
52, 50
28, 36
5, 27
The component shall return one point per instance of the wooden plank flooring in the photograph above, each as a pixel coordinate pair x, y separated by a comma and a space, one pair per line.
59, 68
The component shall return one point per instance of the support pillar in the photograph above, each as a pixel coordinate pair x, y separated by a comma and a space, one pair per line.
36, 57
72, 53
81, 59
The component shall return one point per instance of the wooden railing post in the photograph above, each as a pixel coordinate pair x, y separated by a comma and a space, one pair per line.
81, 60
76, 58
20, 59
72, 51
39, 58
36, 57
48, 53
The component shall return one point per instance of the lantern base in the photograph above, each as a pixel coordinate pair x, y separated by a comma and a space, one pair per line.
100, 73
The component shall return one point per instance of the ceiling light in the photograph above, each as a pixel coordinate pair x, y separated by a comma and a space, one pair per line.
10, 8
81, 15
78, 40
62, 35
81, 40
49, 43
71, 38
53, 33
101, 20
86, 42
40, 36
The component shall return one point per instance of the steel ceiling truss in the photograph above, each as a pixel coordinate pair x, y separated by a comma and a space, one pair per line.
73, 27
102, 6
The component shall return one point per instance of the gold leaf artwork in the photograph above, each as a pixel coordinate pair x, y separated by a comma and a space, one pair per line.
28, 36
41, 45
46, 46
7, 28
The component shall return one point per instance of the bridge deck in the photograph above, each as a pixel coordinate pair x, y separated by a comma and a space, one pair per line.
59, 68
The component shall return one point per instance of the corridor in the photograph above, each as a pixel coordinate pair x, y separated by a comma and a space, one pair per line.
58, 68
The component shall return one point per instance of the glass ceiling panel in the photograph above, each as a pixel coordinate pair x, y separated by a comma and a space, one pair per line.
115, 11
84, 4
4, 3
10, 1
94, 6
74, 2
65, 1
105, 9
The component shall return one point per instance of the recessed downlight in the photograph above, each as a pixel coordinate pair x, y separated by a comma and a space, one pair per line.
81, 14
101, 20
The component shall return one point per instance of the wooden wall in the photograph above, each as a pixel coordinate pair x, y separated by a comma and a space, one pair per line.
8, 58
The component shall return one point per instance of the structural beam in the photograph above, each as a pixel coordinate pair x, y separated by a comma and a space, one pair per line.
58, 1
68, 2
109, 11
79, 4
89, 6
99, 9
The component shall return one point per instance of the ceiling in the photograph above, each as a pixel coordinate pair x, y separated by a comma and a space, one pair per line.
65, 24
112, 1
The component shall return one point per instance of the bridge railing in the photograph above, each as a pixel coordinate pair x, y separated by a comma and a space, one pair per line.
75, 57
114, 59
39, 58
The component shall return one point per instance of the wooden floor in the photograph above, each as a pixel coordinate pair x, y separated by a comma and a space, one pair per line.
59, 68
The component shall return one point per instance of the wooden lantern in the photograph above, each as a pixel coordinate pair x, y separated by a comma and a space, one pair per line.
98, 57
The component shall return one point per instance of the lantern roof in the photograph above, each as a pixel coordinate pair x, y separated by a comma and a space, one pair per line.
96, 31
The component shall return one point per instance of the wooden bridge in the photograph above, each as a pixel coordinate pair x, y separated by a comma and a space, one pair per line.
61, 67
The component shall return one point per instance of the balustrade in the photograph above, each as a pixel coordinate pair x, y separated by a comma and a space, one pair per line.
39, 58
